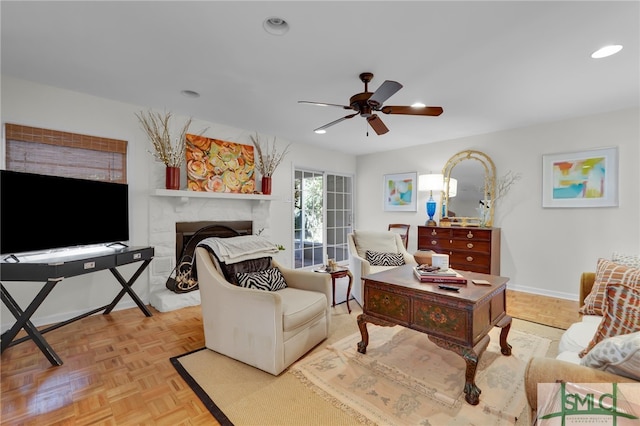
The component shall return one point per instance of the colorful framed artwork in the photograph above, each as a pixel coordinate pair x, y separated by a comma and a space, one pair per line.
218, 166
580, 179
400, 192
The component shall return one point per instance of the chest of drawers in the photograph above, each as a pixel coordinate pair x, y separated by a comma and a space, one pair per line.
469, 249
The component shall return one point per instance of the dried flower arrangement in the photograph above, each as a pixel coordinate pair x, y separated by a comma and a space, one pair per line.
156, 125
268, 160
504, 184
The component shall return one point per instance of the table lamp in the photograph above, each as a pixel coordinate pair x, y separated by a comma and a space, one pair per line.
431, 182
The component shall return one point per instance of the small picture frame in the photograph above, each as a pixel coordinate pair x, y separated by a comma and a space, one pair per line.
400, 192
580, 179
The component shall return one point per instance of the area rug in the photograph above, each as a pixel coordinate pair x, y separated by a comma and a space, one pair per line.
236, 393
404, 378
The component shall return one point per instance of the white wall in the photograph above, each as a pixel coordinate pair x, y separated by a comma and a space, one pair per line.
52, 108
544, 251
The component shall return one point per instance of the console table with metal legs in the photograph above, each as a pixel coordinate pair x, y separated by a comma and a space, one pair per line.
52, 272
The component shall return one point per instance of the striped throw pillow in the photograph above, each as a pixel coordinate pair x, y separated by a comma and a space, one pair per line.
385, 259
607, 273
622, 314
269, 280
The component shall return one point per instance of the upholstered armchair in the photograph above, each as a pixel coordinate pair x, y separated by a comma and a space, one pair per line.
266, 329
376, 241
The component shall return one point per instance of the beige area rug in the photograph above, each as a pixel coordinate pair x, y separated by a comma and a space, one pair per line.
415, 383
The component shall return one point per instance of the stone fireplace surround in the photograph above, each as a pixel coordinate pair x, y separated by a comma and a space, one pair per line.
166, 208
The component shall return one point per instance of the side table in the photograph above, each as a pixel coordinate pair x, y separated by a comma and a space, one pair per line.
340, 272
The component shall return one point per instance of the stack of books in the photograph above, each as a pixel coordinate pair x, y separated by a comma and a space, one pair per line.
433, 275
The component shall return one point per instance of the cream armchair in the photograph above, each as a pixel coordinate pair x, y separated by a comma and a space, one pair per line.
266, 329
379, 241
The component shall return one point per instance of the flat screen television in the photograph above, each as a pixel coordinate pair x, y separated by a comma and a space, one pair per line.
40, 213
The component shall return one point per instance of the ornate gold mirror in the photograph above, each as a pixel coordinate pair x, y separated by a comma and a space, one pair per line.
469, 202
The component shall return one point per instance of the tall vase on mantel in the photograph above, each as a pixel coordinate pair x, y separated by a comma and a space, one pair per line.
266, 185
172, 177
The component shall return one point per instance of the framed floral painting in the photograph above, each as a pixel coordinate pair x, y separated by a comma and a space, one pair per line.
400, 192
219, 166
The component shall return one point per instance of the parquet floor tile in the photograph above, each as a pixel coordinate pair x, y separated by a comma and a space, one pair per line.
116, 368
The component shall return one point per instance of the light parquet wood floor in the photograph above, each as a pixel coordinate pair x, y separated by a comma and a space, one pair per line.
116, 368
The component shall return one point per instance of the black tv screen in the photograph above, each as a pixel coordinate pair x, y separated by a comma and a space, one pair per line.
40, 213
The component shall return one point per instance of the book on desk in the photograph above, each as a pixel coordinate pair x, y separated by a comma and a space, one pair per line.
447, 277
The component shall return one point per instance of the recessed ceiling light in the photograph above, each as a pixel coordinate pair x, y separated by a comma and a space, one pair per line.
606, 51
190, 94
320, 132
275, 26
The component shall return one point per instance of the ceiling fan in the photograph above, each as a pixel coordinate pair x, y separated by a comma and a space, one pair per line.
367, 103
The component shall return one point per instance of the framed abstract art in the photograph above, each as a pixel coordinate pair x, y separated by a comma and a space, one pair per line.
400, 192
580, 179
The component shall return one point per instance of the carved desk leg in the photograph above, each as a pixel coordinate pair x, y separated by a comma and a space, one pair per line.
505, 325
471, 356
362, 325
363, 319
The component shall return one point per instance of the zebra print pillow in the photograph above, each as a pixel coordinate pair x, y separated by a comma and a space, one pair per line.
384, 259
269, 280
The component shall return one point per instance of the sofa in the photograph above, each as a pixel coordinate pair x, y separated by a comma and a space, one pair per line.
604, 346
385, 250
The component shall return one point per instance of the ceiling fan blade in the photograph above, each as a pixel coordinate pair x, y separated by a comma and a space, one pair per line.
384, 92
409, 110
324, 104
346, 117
377, 125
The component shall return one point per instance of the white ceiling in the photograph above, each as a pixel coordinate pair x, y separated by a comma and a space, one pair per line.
490, 65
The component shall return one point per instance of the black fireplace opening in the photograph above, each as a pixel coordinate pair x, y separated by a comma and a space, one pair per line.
189, 234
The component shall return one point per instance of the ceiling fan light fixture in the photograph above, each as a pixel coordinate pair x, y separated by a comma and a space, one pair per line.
275, 26
320, 131
418, 105
606, 51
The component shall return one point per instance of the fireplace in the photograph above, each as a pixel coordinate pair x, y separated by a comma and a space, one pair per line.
189, 234
166, 210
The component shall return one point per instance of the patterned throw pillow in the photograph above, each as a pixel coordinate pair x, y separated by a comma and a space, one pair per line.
269, 280
632, 260
621, 316
385, 259
607, 273
231, 270
618, 355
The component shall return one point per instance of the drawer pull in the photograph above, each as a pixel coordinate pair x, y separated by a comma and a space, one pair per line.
469, 245
386, 300
469, 258
434, 242
470, 234
433, 232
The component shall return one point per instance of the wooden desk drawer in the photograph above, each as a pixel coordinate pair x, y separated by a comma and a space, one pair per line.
441, 321
386, 304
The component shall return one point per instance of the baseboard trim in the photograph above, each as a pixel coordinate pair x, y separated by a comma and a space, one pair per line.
541, 292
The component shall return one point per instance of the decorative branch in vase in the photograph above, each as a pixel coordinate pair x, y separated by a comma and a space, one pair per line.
169, 151
268, 159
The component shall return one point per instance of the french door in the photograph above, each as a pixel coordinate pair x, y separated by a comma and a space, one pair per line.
323, 216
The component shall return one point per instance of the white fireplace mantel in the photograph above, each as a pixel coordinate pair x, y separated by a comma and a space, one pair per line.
186, 195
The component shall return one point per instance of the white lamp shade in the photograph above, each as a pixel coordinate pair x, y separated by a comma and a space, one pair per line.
453, 187
432, 182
